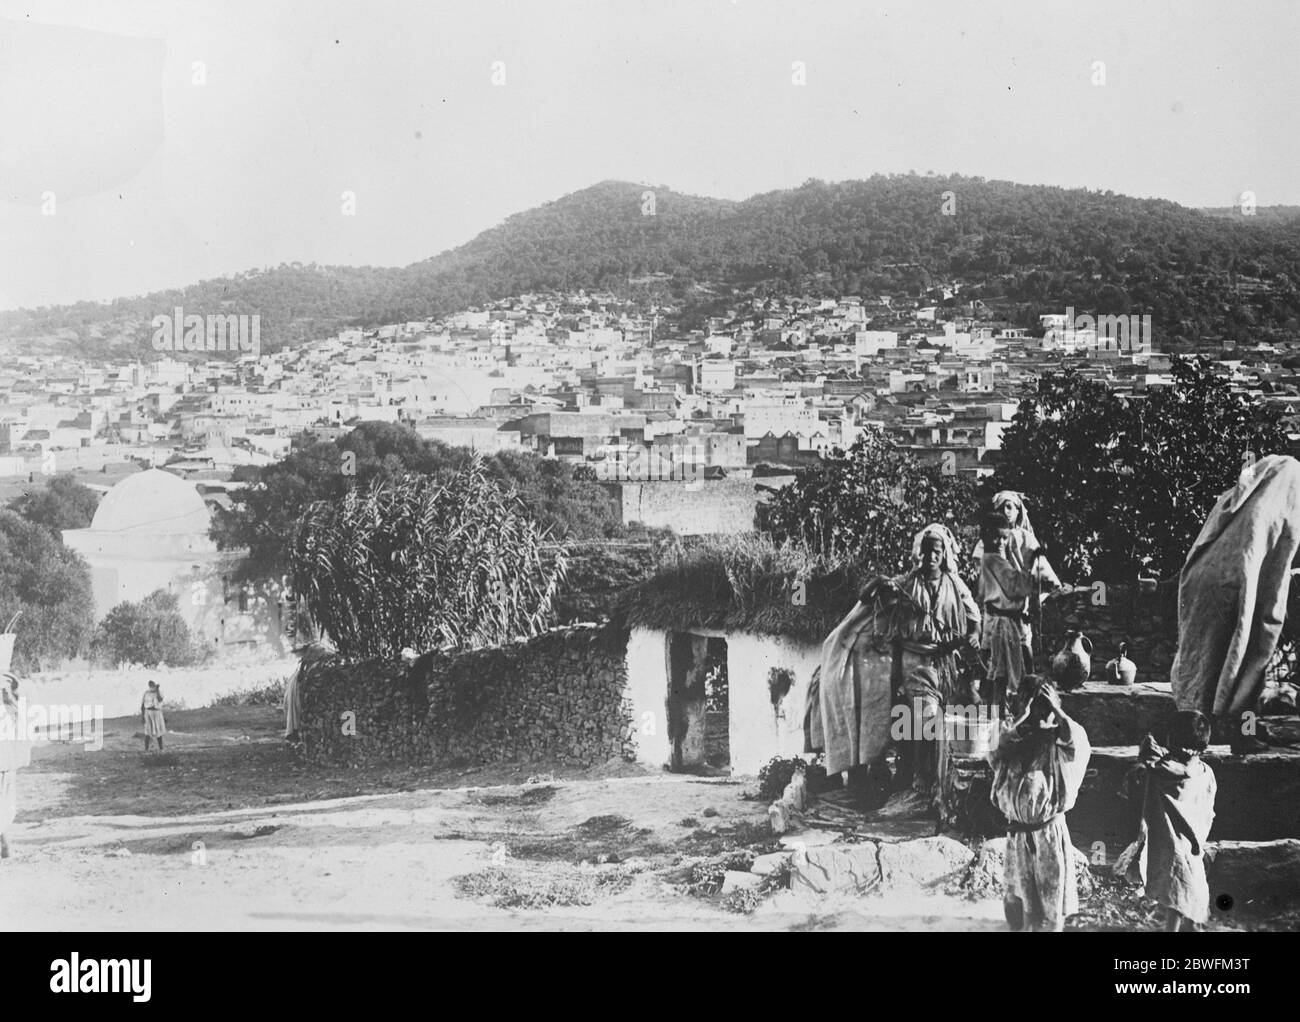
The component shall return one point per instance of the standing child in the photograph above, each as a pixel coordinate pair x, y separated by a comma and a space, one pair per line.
1038, 768
1177, 813
151, 711
1004, 591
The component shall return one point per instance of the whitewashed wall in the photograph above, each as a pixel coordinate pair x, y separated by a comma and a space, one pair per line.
760, 731
647, 688
757, 730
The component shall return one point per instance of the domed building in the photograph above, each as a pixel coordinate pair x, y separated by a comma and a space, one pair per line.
150, 532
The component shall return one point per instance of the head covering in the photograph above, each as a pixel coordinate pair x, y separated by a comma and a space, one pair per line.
153, 684
1022, 518
948, 554
315, 650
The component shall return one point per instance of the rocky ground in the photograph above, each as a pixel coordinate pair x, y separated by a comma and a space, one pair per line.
227, 830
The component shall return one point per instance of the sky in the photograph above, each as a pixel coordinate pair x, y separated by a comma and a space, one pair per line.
146, 145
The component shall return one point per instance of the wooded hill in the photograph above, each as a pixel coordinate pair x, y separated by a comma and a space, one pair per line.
1021, 247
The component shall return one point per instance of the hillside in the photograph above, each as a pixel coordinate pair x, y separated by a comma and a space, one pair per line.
1018, 247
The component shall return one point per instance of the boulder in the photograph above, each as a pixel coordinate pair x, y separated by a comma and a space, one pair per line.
842, 868
989, 870
735, 879
809, 839
1255, 875
925, 862
766, 865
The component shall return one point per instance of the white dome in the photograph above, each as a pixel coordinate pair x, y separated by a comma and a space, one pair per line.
152, 501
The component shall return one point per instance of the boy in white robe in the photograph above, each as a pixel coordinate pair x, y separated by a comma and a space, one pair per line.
1038, 768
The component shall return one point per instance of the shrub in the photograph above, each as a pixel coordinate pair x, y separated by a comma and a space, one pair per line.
775, 775
150, 632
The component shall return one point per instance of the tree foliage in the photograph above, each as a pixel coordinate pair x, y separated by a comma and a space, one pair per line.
865, 505
63, 503
1119, 487
266, 512
50, 585
424, 563
1029, 245
148, 632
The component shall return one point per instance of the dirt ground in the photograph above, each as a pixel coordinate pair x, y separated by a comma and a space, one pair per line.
228, 830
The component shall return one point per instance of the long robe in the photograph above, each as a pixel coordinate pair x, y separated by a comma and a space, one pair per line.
1233, 588
1177, 813
1036, 781
949, 614
850, 718
1005, 638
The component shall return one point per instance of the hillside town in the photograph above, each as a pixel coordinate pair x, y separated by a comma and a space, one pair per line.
768, 386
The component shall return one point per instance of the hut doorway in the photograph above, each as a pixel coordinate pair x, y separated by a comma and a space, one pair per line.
697, 703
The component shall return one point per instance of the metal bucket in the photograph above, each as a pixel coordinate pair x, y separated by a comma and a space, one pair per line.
969, 738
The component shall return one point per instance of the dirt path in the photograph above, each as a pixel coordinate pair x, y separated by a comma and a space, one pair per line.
230, 832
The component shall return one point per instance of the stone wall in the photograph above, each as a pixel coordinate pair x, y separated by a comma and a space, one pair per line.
1147, 621
555, 698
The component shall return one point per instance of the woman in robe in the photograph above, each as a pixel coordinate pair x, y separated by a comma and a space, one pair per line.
1004, 598
941, 617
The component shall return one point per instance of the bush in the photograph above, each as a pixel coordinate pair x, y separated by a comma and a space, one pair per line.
454, 564
775, 775
267, 695
50, 585
150, 632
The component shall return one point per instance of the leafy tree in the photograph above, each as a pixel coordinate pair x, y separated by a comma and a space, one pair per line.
867, 504
148, 632
428, 564
50, 585
1117, 487
63, 504
561, 498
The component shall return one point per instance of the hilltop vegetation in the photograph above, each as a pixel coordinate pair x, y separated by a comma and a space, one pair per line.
1021, 248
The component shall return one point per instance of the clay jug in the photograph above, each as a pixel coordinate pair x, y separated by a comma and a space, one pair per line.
1121, 670
1073, 661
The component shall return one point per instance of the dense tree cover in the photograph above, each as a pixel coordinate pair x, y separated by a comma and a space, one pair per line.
1120, 487
63, 503
50, 585
1024, 247
148, 632
864, 506
264, 513
424, 563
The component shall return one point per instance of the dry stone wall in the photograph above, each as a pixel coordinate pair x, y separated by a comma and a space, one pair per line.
556, 698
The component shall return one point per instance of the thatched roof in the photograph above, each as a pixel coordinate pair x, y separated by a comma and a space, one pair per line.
744, 585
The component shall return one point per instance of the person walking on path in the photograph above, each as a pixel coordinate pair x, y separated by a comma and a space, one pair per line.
151, 712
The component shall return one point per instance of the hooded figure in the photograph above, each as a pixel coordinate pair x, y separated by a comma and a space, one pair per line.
308, 654
1022, 544
939, 615
1232, 595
